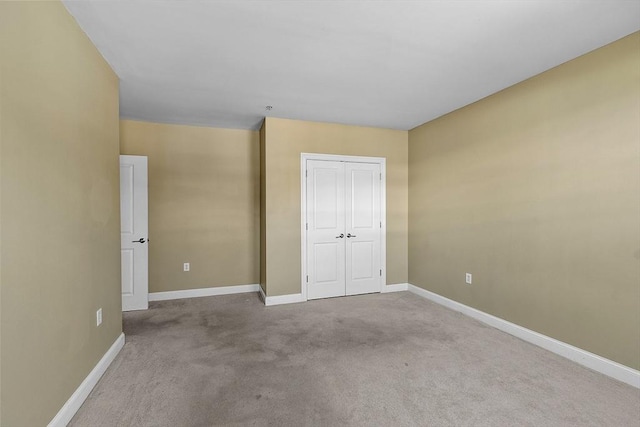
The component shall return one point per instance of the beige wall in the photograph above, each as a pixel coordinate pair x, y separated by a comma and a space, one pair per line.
536, 191
60, 250
204, 203
285, 140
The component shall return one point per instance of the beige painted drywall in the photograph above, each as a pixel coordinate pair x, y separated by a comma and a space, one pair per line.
60, 251
204, 203
285, 141
536, 191
1, 137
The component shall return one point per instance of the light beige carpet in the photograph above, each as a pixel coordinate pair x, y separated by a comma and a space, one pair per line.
375, 360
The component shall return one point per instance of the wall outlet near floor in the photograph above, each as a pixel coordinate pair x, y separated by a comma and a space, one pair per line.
468, 278
99, 317
186, 266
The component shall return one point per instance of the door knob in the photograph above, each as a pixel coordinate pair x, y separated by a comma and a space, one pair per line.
351, 235
340, 236
138, 241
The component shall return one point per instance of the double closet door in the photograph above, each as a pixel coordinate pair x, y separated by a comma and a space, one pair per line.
343, 228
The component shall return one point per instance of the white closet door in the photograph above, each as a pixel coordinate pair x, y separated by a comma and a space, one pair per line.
363, 269
134, 249
326, 225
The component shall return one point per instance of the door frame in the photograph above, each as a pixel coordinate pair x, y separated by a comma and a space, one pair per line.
382, 161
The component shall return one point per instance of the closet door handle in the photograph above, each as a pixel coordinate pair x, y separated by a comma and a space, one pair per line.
351, 235
340, 236
138, 241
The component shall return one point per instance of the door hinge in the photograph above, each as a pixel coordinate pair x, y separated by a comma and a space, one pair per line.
380, 273
380, 176
307, 278
306, 226
306, 173
380, 224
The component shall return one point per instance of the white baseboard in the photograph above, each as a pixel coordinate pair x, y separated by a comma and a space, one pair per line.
203, 292
295, 298
592, 361
397, 287
283, 299
262, 295
78, 397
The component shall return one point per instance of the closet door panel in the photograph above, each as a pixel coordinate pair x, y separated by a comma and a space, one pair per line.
362, 186
325, 223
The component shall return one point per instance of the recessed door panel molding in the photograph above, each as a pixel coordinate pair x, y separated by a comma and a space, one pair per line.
363, 261
126, 198
325, 203
343, 225
363, 199
127, 268
328, 256
134, 233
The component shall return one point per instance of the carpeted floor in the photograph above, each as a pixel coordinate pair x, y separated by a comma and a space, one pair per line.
379, 360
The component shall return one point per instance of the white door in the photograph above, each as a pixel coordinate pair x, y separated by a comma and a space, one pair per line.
362, 182
134, 249
343, 228
325, 235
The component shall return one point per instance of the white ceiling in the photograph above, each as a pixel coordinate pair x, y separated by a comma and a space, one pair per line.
391, 64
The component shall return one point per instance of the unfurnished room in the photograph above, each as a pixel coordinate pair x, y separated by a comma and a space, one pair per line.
320, 213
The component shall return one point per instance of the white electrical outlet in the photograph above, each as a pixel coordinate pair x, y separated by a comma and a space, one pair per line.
186, 266
99, 317
468, 278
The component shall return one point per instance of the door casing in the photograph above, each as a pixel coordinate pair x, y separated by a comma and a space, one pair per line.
303, 210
